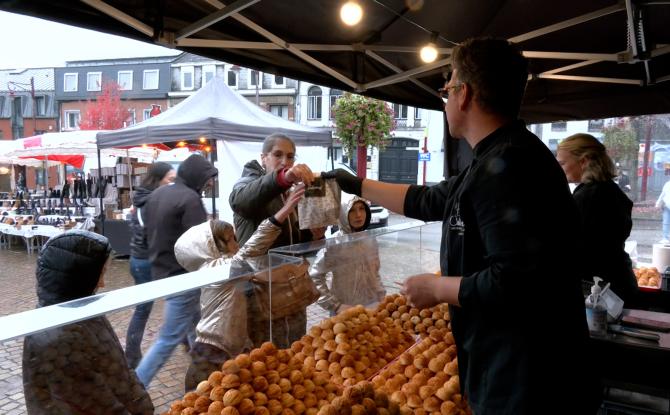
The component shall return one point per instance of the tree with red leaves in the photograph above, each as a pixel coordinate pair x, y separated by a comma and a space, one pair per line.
105, 112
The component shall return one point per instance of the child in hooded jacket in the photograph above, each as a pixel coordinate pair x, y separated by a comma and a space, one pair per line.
353, 267
227, 327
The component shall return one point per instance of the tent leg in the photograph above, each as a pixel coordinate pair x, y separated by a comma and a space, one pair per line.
102, 210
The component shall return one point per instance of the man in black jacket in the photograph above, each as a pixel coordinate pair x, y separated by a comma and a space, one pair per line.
171, 211
509, 243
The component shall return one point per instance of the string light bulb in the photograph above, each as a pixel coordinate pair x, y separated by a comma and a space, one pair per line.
181, 144
203, 139
351, 13
428, 53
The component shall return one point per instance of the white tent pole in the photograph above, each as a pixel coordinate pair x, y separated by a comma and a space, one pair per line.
130, 177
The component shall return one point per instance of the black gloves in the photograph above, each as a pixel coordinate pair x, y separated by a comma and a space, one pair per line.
347, 181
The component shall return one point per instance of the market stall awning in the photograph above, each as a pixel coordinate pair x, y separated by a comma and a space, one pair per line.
72, 143
214, 112
73, 160
589, 58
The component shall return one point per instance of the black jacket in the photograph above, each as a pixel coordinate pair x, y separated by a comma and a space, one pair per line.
82, 356
510, 228
257, 196
605, 215
172, 210
138, 240
69, 266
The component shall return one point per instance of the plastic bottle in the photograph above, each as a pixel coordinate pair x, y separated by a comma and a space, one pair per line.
596, 310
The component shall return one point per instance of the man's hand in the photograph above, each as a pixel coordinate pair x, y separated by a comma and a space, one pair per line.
299, 173
347, 181
427, 290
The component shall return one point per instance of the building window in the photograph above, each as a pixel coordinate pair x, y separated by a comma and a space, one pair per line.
596, 126
255, 79
278, 81
559, 126
334, 95
94, 81
400, 112
314, 103
2, 106
125, 80
146, 114
40, 105
132, 118
150, 79
70, 81
208, 73
71, 120
231, 78
279, 111
417, 113
187, 78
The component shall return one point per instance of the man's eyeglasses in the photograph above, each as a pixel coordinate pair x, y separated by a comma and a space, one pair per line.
444, 92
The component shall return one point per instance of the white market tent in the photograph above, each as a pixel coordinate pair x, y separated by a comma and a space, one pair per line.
80, 142
239, 127
215, 112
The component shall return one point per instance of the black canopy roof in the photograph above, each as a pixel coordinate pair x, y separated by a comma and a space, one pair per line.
589, 58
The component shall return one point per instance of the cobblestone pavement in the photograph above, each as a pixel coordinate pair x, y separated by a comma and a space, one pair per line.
17, 283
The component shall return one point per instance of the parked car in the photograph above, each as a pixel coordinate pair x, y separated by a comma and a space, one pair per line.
380, 215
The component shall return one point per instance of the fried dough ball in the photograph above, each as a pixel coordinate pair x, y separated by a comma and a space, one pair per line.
230, 410
246, 390
217, 393
232, 397
214, 378
275, 407
245, 375
273, 391
230, 381
448, 408
257, 355
201, 404
189, 398
261, 410
246, 407
260, 383
260, 399
272, 376
215, 408
230, 367
269, 348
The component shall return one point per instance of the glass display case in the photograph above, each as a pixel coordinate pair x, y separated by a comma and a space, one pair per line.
74, 356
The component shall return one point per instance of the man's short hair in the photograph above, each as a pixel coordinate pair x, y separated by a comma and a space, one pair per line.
496, 71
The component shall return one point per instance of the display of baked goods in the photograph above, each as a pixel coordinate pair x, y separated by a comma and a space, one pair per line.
424, 379
647, 277
353, 345
360, 361
412, 319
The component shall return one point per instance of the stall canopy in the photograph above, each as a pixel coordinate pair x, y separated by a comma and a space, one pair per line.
71, 147
589, 58
215, 112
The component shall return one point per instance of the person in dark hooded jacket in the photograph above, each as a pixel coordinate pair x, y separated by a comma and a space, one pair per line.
79, 368
169, 212
159, 174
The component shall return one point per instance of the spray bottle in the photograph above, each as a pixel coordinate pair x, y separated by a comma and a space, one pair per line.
596, 310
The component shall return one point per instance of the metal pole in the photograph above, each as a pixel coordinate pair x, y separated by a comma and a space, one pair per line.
32, 94
102, 208
212, 158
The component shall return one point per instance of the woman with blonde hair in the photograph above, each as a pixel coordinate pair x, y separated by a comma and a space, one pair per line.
605, 212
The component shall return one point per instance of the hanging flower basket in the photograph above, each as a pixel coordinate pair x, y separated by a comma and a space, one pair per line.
364, 121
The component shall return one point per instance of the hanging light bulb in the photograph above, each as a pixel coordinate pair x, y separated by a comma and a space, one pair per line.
203, 139
351, 13
428, 53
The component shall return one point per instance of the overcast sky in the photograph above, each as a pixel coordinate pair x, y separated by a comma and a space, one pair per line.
28, 42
